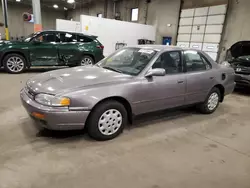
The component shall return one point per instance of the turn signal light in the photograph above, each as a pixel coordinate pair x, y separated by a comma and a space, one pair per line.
65, 102
38, 115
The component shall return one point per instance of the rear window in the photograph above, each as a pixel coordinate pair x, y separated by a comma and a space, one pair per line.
82, 38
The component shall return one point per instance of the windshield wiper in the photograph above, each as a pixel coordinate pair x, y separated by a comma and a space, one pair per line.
112, 69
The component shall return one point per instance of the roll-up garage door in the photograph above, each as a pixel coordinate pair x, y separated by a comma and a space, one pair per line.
201, 28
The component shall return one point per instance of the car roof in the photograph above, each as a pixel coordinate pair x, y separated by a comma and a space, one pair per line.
69, 32
162, 47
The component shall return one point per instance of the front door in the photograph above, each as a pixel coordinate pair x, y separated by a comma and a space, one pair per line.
162, 92
200, 77
43, 50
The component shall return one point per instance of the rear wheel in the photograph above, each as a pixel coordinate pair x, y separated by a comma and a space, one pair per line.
107, 120
14, 63
212, 101
87, 60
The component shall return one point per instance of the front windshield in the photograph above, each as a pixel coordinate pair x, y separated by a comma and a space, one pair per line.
129, 61
31, 36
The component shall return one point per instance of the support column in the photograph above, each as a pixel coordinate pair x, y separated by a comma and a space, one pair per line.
37, 15
5, 15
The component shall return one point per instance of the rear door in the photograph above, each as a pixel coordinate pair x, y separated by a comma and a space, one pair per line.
200, 76
68, 49
43, 50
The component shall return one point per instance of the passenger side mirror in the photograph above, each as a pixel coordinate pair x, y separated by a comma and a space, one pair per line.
156, 72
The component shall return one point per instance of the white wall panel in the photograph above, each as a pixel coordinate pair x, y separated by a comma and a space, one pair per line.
187, 13
212, 38
197, 37
200, 20
214, 29
196, 45
113, 31
210, 47
198, 29
186, 21
221, 9
201, 11
67, 25
219, 19
183, 37
185, 29
183, 44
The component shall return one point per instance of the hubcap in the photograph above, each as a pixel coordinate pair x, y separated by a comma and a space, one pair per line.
86, 61
110, 122
213, 101
15, 64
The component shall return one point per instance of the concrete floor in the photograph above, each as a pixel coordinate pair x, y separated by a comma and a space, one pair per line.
171, 149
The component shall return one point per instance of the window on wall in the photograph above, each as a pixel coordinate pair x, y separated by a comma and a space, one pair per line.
99, 15
134, 14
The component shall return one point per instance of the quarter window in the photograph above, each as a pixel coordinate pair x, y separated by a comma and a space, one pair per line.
195, 62
170, 61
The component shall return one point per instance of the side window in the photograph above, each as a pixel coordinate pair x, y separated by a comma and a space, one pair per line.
170, 61
68, 37
195, 62
83, 39
46, 37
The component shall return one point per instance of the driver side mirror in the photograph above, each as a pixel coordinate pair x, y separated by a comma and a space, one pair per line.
156, 72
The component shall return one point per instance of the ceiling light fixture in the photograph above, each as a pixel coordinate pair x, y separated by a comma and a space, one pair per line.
71, 1
55, 6
65, 8
18, 0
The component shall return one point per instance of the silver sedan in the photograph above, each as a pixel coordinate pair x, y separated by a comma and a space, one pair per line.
132, 81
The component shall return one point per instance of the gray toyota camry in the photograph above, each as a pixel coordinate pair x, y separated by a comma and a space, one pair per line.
132, 81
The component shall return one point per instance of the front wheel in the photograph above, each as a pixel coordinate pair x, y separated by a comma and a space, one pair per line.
107, 120
212, 102
87, 60
14, 63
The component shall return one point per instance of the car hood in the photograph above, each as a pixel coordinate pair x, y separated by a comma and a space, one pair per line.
69, 79
241, 48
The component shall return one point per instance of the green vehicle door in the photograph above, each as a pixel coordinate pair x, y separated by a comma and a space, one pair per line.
43, 50
69, 53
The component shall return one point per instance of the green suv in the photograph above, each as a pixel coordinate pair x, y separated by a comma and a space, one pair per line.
50, 48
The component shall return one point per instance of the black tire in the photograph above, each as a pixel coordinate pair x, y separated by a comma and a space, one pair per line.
204, 107
18, 69
96, 115
87, 60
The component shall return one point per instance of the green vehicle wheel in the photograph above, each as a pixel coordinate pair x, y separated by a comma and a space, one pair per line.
14, 63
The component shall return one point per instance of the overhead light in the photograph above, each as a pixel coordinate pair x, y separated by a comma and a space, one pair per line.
18, 0
71, 1
65, 8
55, 6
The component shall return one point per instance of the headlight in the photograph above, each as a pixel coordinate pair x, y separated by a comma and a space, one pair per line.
50, 100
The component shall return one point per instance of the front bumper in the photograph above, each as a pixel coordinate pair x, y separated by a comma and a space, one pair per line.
242, 80
55, 118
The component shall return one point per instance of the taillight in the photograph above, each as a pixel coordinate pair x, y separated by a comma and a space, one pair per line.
100, 46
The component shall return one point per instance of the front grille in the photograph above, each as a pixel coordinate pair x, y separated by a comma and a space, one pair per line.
242, 70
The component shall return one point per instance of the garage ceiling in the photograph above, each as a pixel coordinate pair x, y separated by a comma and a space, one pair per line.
60, 3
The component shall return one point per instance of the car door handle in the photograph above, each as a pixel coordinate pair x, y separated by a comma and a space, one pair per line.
180, 81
